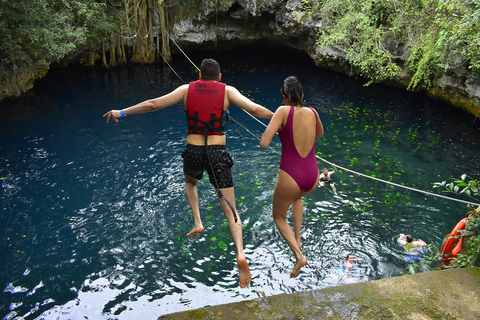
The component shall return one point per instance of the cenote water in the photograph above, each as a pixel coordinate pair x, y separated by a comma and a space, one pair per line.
94, 217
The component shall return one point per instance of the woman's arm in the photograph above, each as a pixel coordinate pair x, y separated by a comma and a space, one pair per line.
320, 126
276, 123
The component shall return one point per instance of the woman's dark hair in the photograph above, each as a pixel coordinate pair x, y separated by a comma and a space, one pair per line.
210, 69
292, 89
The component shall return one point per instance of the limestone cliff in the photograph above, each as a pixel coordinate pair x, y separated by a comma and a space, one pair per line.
14, 82
288, 23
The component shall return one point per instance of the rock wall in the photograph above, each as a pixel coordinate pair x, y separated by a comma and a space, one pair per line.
223, 25
287, 23
14, 83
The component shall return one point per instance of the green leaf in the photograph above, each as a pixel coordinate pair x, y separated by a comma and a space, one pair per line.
222, 245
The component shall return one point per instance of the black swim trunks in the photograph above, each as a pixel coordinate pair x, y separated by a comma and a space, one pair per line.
327, 181
195, 162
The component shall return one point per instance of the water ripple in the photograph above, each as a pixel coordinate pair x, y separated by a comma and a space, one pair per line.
94, 216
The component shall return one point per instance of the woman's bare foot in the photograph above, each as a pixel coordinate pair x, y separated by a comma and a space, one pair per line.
300, 263
299, 242
195, 231
244, 275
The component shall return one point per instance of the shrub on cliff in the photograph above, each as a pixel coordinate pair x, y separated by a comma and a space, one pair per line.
378, 37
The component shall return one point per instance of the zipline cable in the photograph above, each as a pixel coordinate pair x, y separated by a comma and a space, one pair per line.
183, 52
380, 180
169, 65
399, 185
332, 164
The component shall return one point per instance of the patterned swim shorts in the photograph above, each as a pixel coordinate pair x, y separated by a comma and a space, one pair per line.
195, 162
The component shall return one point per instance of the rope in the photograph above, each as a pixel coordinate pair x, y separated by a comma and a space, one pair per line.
330, 163
165, 60
400, 185
253, 134
183, 52
377, 179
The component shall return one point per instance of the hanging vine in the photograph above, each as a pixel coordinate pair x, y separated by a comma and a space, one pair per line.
113, 58
162, 12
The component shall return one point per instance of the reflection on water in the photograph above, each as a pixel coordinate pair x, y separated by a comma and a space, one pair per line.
94, 216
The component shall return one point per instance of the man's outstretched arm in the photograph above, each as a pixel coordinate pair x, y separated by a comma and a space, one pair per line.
236, 98
150, 105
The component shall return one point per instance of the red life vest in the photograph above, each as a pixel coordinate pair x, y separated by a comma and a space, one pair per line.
205, 101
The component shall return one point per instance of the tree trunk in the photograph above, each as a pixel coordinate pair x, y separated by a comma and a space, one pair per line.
138, 41
127, 27
121, 57
216, 26
143, 51
163, 29
113, 57
91, 55
150, 45
104, 57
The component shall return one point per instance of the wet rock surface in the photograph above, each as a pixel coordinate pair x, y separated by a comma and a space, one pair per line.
444, 294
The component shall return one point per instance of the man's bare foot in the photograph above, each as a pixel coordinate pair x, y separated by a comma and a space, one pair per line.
300, 263
195, 231
244, 275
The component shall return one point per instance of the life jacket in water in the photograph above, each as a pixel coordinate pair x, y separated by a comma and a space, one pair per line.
205, 101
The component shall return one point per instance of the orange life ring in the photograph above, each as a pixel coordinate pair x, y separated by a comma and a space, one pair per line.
451, 247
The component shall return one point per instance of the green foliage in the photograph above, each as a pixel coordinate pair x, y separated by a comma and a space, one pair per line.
471, 188
465, 185
356, 27
460, 22
33, 30
197, 5
378, 37
471, 257
447, 38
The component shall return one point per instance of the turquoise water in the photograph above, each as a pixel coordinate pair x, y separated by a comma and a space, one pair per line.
94, 215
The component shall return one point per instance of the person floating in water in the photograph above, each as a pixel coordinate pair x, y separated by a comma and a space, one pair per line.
326, 178
344, 270
206, 105
298, 127
348, 265
413, 257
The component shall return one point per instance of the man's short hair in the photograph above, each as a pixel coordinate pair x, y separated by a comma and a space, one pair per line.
409, 238
210, 69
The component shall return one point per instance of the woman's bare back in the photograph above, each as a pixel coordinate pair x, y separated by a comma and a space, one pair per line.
304, 127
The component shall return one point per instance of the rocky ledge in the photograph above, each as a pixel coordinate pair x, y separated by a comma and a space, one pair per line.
444, 294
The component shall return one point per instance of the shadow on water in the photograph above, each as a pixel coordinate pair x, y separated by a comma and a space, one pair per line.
94, 215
